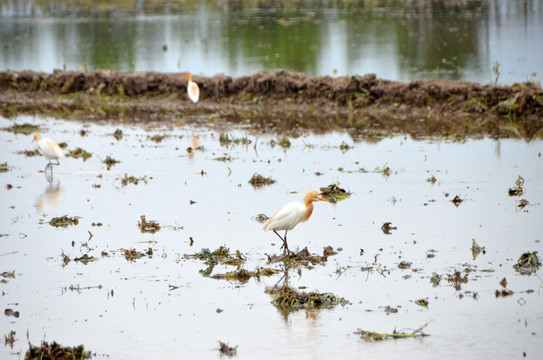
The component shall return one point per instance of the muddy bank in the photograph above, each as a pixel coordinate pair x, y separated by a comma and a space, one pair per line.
365, 105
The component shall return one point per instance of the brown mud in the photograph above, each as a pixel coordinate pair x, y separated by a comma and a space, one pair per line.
364, 105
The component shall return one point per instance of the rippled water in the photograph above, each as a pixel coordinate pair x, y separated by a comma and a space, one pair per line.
162, 307
397, 40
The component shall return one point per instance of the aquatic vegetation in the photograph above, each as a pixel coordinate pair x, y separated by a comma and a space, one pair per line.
225, 140
109, 161
259, 180
225, 158
517, 190
4, 167
384, 170
157, 138
222, 256
302, 257
29, 153
386, 228
132, 254
9, 339
118, 134
148, 226
131, 179
422, 302
334, 193
528, 263
85, 259
55, 351
243, 275
456, 279
79, 153
476, 249
25, 128
289, 298
227, 349
376, 336
64, 221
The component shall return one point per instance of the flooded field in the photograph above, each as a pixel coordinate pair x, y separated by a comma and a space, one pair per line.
125, 293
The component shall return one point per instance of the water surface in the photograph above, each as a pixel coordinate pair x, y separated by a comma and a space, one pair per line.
397, 40
123, 309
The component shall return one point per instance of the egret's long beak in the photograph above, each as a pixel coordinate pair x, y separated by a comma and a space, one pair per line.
322, 199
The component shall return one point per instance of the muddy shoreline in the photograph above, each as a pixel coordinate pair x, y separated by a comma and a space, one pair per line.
366, 106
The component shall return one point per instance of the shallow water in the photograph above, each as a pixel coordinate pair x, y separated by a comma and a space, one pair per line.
397, 40
124, 309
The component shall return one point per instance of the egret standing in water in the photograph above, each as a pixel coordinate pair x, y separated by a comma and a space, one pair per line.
291, 215
192, 89
49, 149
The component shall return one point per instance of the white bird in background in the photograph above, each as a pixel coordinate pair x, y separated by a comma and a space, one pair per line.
291, 214
192, 89
49, 149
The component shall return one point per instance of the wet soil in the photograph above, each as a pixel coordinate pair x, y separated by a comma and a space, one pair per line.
365, 105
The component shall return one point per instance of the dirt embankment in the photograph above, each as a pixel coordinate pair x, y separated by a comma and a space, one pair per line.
365, 105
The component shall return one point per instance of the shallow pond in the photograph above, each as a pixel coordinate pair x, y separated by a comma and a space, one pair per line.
397, 40
163, 307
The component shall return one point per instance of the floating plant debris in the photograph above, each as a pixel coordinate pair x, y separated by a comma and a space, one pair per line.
148, 226
227, 349
64, 221
243, 275
221, 255
261, 218
226, 140
225, 158
384, 170
11, 312
79, 153
56, 352
517, 190
376, 336
259, 180
457, 279
4, 167
457, 200
528, 263
118, 134
132, 254
503, 292
523, 203
85, 259
109, 161
334, 193
302, 257
289, 298
476, 249
131, 179
157, 138
9, 339
386, 228
422, 302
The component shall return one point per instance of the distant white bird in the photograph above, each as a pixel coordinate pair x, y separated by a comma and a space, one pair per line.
291, 215
49, 149
192, 89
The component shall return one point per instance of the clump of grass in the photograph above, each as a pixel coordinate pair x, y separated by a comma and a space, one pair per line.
243, 275
334, 193
109, 161
344, 146
225, 140
289, 298
227, 349
64, 221
384, 170
528, 263
225, 158
79, 153
302, 257
284, 142
259, 180
377, 336
157, 138
55, 351
148, 226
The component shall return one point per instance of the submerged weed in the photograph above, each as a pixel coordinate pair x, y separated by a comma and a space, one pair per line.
259, 180
55, 351
64, 221
109, 161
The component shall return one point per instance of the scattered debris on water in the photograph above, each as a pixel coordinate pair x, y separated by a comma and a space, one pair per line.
344, 147
79, 153
4, 167
457, 201
522, 203
503, 292
517, 190
225, 140
376, 336
227, 349
9, 339
528, 263
334, 193
131, 179
422, 302
432, 179
386, 228
404, 265
8, 274
109, 162
56, 352
150, 226
132, 254
457, 279
476, 249
221, 255
259, 180
64, 221
85, 259
384, 170
224, 158
29, 153
157, 138
243, 275
261, 218
118, 134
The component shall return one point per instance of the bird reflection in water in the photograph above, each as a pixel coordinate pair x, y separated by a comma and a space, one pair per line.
50, 198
